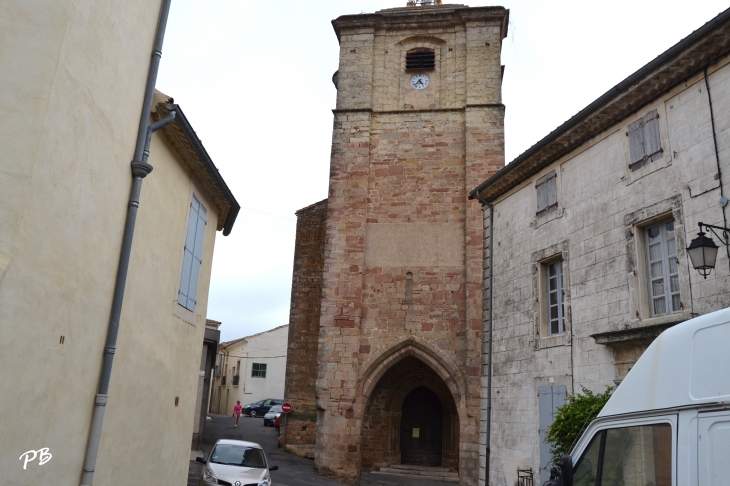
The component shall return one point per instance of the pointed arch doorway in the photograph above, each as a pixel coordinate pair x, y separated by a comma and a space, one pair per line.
421, 430
411, 418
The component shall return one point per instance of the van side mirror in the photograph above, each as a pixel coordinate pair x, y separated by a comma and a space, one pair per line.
566, 470
200, 460
561, 474
273, 468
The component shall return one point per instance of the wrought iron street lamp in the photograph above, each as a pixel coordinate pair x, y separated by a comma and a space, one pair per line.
703, 250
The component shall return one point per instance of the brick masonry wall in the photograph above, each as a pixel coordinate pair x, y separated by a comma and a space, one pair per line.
301, 366
597, 228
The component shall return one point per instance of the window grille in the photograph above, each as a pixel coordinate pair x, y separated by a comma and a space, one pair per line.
420, 59
258, 370
661, 256
644, 141
547, 194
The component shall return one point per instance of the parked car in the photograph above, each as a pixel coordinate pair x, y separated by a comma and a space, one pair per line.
260, 408
236, 462
271, 415
668, 420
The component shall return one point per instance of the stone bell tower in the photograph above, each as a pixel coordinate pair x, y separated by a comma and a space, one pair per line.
418, 123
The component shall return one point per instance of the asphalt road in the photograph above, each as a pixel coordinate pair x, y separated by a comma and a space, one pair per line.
293, 470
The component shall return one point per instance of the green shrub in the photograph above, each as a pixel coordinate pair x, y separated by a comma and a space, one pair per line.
572, 418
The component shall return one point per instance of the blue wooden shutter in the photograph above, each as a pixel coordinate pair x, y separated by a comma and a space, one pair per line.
636, 142
550, 398
652, 140
193, 255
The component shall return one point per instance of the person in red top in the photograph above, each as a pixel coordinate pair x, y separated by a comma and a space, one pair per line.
237, 409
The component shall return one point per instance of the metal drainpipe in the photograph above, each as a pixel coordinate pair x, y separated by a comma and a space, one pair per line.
717, 155
489, 336
140, 169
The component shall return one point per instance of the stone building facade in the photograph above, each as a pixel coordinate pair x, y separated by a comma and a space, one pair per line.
418, 122
589, 232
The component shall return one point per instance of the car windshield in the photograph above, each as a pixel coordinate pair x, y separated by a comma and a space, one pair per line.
275, 409
238, 455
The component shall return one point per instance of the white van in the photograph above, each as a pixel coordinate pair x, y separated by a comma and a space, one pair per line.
668, 422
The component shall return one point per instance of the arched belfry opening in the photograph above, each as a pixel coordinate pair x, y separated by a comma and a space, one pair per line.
411, 418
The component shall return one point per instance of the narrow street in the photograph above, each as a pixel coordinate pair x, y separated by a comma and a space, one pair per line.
293, 470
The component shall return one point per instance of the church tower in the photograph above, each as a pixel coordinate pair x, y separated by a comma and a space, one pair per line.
398, 332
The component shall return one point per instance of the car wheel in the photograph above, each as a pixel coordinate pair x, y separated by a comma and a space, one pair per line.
253, 413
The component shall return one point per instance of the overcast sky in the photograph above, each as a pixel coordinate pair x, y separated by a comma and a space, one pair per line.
254, 79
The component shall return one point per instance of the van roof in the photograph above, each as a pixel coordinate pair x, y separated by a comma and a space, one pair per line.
688, 364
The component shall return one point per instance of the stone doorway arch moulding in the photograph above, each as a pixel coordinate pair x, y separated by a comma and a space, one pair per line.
452, 376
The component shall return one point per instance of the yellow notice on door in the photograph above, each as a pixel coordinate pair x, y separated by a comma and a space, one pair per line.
416, 432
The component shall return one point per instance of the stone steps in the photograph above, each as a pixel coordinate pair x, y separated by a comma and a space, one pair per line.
420, 472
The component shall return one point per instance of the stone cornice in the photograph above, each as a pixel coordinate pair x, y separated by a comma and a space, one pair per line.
427, 110
414, 18
686, 58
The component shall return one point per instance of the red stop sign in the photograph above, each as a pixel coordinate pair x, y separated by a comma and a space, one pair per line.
286, 407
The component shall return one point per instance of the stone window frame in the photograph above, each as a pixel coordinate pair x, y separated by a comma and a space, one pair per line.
539, 259
664, 161
635, 224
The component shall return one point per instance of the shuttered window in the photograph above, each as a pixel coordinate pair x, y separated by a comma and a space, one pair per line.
193, 255
644, 142
661, 256
554, 287
547, 194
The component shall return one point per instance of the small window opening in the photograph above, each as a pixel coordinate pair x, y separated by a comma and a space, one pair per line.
409, 286
420, 59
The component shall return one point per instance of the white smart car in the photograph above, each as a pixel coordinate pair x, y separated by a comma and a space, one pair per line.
236, 463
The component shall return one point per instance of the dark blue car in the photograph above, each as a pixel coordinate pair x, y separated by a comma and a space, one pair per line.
260, 408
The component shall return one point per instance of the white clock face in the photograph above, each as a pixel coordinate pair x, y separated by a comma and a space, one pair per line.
420, 81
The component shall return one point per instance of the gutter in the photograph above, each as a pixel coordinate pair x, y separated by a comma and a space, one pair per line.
140, 169
182, 122
490, 327
622, 87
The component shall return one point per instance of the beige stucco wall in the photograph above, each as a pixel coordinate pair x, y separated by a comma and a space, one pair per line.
73, 76
602, 207
267, 347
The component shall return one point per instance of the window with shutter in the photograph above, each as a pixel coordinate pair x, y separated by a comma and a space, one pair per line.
644, 141
661, 259
547, 194
193, 255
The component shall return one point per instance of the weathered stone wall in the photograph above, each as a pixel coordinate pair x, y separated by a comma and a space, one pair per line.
299, 427
403, 255
597, 228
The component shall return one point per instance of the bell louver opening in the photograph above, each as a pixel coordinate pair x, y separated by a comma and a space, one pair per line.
420, 59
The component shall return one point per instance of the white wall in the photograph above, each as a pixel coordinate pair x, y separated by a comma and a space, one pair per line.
268, 348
